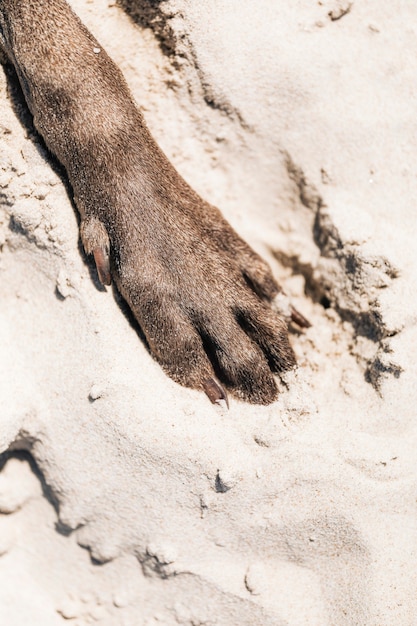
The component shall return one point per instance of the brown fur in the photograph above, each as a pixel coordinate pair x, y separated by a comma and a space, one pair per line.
199, 292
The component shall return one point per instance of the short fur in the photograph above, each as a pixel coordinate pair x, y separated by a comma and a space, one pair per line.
199, 292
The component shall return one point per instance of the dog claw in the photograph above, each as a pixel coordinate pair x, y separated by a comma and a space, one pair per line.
103, 265
215, 392
299, 319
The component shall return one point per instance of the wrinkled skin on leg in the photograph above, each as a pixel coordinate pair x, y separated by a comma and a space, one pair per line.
200, 294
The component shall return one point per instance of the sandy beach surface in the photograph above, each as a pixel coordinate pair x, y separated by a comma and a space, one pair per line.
127, 500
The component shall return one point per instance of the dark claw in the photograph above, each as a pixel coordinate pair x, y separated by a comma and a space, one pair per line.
103, 265
215, 391
299, 319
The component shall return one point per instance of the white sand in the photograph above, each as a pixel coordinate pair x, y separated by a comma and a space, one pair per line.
302, 129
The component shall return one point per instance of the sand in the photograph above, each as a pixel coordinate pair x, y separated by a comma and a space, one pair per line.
126, 499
